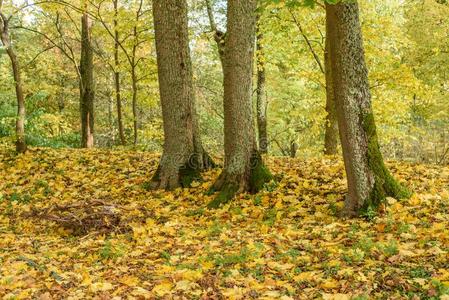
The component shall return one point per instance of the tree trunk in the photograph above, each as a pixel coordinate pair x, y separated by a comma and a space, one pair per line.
261, 102
369, 181
244, 169
134, 78
117, 76
21, 146
219, 36
87, 92
331, 130
110, 112
61, 94
134, 88
177, 166
293, 149
203, 160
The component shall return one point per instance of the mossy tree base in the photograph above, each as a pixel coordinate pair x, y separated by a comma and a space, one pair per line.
385, 185
21, 146
170, 179
251, 181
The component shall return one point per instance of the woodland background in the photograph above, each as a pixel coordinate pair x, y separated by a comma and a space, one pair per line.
91, 224
406, 47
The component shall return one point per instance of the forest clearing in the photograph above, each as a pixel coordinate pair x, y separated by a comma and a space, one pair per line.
224, 149
286, 242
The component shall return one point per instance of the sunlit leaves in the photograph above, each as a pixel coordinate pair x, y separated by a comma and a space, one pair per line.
284, 242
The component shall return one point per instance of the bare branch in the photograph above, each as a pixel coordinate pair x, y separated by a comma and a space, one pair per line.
70, 56
306, 38
39, 54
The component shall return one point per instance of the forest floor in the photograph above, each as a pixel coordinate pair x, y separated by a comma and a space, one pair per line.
78, 224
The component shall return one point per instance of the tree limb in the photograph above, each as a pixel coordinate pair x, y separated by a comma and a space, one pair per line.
306, 38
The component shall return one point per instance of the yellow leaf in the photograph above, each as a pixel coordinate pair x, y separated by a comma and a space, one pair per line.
130, 280
207, 265
272, 294
186, 285
100, 287
336, 297
444, 275
195, 184
304, 276
141, 292
279, 204
415, 201
163, 288
330, 284
233, 293
86, 278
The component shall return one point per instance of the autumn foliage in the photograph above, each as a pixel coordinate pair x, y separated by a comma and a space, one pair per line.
82, 224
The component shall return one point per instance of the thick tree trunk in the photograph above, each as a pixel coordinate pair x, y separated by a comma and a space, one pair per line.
203, 160
21, 146
87, 92
243, 169
117, 76
177, 166
261, 101
331, 130
369, 181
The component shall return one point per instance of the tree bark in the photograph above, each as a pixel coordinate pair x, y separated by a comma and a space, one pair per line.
203, 160
21, 146
135, 90
293, 149
331, 129
219, 36
261, 99
86, 84
117, 76
178, 165
243, 169
134, 75
369, 181
110, 112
